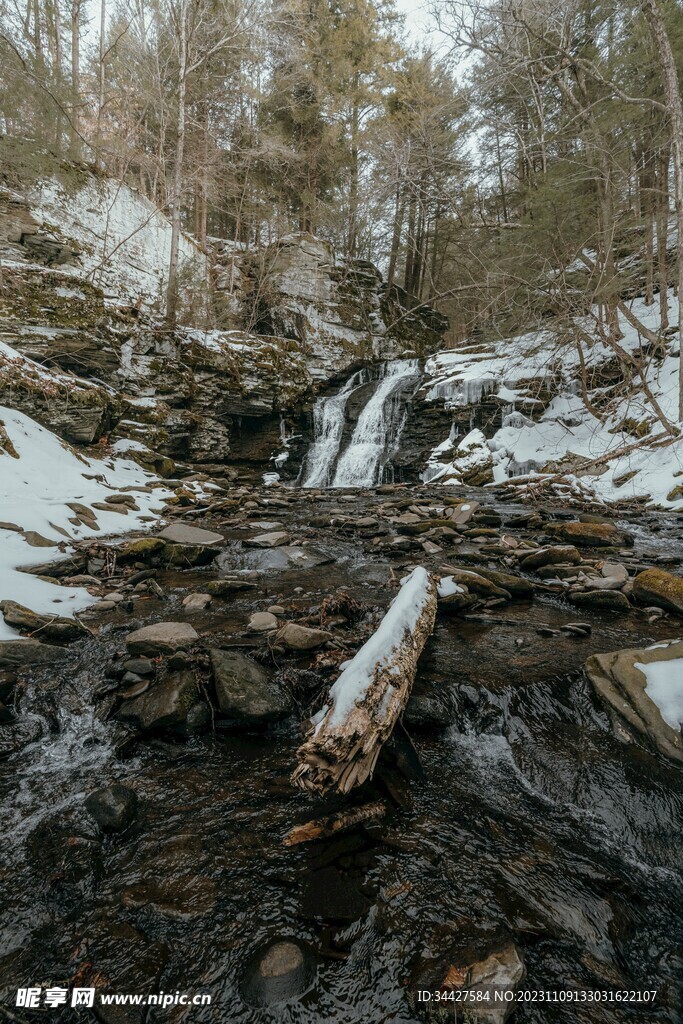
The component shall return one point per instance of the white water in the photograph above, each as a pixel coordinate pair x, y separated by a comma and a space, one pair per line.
377, 429
328, 426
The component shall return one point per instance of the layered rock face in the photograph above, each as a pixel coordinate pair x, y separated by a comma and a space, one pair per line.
87, 265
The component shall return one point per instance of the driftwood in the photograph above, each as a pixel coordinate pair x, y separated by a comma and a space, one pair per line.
370, 694
325, 828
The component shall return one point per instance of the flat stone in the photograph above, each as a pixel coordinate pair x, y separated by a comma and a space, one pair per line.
614, 571
619, 679
165, 705
161, 638
246, 691
551, 555
179, 533
302, 638
281, 973
197, 602
223, 588
52, 627
269, 540
20, 653
590, 534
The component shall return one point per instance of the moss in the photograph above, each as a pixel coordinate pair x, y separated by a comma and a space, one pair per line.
142, 550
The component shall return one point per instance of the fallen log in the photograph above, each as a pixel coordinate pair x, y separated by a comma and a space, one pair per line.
325, 828
370, 694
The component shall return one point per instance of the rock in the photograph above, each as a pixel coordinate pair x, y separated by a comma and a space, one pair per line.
140, 666
113, 808
614, 571
189, 555
600, 582
269, 540
224, 588
602, 600
302, 638
661, 588
161, 638
196, 602
517, 586
649, 699
142, 550
590, 534
164, 705
181, 898
500, 971
245, 691
462, 513
16, 735
20, 653
475, 583
179, 533
51, 627
285, 557
262, 622
552, 555
282, 972
276, 609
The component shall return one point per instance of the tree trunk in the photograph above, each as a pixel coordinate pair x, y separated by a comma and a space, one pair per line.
353, 186
370, 695
672, 91
663, 239
399, 213
100, 97
172, 293
76, 76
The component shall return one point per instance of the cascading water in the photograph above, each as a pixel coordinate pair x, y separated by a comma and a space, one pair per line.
378, 427
328, 426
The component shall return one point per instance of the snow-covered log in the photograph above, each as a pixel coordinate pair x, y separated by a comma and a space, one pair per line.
370, 694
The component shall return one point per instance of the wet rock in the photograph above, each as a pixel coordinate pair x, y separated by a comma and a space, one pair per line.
498, 969
285, 557
52, 627
16, 735
602, 600
661, 588
649, 699
245, 691
614, 571
269, 540
262, 622
140, 666
113, 808
224, 588
20, 653
302, 638
179, 533
551, 555
463, 512
517, 586
121, 959
163, 706
161, 638
187, 556
590, 534
181, 899
196, 602
281, 972
475, 583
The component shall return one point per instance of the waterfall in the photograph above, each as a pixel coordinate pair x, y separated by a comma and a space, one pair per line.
328, 426
378, 427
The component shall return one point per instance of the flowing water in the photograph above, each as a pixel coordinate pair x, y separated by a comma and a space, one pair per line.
533, 822
375, 436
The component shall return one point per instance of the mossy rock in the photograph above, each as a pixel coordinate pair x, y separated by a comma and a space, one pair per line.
143, 550
188, 554
661, 588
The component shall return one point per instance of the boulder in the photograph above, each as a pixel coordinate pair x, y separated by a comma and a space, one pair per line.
517, 586
602, 600
196, 602
262, 622
475, 583
591, 534
281, 972
224, 588
644, 687
551, 555
246, 691
286, 557
161, 638
51, 627
166, 705
661, 588
302, 638
20, 653
113, 807
179, 533
142, 550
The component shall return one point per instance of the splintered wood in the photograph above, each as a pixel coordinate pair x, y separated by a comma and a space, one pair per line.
325, 828
370, 694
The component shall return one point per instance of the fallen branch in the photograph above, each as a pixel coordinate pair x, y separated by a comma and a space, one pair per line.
370, 694
324, 828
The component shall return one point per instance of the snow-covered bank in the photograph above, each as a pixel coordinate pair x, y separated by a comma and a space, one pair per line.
42, 479
532, 372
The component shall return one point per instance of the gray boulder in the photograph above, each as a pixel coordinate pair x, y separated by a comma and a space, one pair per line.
161, 638
166, 705
245, 691
113, 807
179, 533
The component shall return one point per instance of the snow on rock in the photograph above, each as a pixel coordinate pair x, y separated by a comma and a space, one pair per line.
124, 241
381, 649
665, 687
557, 434
39, 476
469, 462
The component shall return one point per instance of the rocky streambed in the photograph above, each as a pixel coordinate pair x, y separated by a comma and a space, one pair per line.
530, 836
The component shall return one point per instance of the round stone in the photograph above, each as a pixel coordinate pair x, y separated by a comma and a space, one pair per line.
281, 972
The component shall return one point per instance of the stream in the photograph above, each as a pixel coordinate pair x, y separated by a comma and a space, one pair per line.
533, 822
